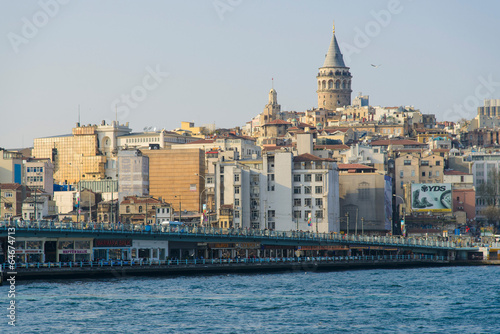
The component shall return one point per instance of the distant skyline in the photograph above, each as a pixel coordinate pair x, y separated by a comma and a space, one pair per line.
163, 62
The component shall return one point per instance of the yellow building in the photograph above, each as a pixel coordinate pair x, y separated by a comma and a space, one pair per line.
88, 153
74, 156
174, 176
424, 135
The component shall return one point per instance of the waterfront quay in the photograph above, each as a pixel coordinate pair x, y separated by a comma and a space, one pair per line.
47, 249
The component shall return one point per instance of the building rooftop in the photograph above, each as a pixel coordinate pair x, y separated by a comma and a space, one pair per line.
334, 57
309, 157
387, 142
355, 167
454, 172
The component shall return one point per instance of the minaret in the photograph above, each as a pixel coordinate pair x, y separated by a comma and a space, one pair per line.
334, 79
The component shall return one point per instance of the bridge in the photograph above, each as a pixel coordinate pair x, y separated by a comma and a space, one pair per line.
218, 235
318, 251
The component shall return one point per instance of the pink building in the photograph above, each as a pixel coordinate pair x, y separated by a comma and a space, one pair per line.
464, 200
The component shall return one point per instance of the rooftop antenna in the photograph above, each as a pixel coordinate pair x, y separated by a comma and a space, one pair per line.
78, 114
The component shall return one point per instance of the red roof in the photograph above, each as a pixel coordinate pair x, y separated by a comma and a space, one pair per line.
137, 200
278, 122
455, 172
11, 186
202, 141
332, 147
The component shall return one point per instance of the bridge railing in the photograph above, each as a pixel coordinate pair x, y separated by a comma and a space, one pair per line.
223, 261
234, 232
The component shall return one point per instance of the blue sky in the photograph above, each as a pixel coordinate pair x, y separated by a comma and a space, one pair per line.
215, 59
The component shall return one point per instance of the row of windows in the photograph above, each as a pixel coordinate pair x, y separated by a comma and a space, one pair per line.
127, 209
307, 201
34, 169
143, 140
34, 179
401, 173
313, 214
344, 84
397, 130
422, 163
307, 177
308, 190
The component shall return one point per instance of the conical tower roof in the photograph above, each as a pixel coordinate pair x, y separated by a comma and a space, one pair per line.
334, 57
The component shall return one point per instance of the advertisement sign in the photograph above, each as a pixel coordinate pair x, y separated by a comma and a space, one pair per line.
433, 197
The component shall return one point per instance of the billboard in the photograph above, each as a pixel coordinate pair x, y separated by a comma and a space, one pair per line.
434, 197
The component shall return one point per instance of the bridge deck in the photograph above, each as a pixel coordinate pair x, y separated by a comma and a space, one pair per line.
209, 234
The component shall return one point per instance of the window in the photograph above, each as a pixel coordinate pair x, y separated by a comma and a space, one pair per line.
297, 214
271, 214
364, 190
297, 202
236, 177
318, 201
307, 189
140, 208
237, 202
296, 190
318, 189
462, 179
412, 173
401, 184
424, 163
307, 177
270, 177
318, 177
407, 162
254, 215
236, 190
127, 209
296, 178
8, 194
438, 163
423, 173
210, 180
437, 173
307, 202
430, 173
400, 173
236, 214
319, 214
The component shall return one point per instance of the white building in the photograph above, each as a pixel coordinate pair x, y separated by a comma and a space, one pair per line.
107, 137
280, 192
366, 155
39, 174
64, 201
133, 173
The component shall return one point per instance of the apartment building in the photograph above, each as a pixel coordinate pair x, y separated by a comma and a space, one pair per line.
280, 192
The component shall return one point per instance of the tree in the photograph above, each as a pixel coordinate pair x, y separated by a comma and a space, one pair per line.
492, 213
490, 191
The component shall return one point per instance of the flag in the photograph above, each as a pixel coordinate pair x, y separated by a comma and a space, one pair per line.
309, 220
